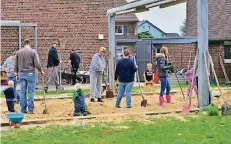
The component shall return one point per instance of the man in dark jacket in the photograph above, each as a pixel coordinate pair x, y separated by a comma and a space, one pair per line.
75, 61
53, 62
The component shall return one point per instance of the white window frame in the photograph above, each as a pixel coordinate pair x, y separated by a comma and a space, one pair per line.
122, 30
121, 48
228, 44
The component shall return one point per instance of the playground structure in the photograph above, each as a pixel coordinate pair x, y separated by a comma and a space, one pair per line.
145, 5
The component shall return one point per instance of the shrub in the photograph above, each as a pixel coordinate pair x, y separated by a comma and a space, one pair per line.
213, 110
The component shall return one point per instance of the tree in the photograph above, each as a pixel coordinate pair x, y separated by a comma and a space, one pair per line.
183, 28
145, 34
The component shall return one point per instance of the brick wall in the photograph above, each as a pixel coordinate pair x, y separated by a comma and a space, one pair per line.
219, 18
180, 54
76, 22
9, 41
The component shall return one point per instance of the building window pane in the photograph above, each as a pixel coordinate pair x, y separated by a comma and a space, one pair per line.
227, 52
119, 30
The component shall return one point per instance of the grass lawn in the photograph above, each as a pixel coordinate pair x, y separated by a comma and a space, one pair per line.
201, 130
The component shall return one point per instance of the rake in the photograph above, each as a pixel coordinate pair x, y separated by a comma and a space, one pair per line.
45, 111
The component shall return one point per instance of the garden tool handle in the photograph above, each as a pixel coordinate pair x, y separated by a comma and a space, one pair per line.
207, 75
138, 78
214, 73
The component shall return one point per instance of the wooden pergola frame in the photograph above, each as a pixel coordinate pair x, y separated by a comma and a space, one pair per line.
202, 38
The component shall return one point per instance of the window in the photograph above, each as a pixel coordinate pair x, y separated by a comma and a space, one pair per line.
119, 30
227, 52
149, 27
143, 27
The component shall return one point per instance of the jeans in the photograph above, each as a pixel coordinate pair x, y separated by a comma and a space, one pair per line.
164, 85
124, 87
80, 106
27, 81
16, 95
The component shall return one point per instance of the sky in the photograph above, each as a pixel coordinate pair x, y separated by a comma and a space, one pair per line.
168, 19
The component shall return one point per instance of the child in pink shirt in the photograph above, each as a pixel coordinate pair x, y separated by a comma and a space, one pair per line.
189, 77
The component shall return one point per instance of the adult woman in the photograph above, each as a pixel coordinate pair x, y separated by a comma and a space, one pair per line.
9, 67
96, 74
163, 69
125, 70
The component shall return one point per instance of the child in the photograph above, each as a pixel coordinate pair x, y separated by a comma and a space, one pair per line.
79, 101
149, 73
9, 66
188, 76
163, 69
9, 94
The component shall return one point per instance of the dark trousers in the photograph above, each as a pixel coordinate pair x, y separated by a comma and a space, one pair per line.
74, 70
10, 106
80, 106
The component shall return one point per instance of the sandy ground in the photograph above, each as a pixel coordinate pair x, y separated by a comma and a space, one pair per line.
64, 107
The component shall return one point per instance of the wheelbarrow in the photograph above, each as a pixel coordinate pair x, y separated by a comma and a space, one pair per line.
15, 119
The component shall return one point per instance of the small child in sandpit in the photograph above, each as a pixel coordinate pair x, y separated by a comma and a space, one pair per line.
149, 73
79, 101
9, 94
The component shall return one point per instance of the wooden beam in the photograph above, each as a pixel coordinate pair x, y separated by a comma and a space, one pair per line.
202, 30
172, 3
112, 51
130, 6
159, 3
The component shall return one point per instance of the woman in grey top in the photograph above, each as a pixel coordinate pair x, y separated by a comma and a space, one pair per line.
8, 66
96, 74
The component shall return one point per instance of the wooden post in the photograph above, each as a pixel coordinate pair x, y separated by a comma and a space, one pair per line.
20, 37
202, 30
111, 39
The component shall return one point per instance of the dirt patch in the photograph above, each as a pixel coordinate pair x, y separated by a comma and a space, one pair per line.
64, 107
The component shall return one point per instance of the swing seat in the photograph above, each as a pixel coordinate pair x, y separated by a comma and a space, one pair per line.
149, 86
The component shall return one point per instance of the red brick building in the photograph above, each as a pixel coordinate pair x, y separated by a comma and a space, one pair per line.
79, 23
219, 30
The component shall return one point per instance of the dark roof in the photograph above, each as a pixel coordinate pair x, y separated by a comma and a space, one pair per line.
146, 21
172, 35
126, 18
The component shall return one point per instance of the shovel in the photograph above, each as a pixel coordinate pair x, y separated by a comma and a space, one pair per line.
225, 108
143, 102
187, 105
45, 111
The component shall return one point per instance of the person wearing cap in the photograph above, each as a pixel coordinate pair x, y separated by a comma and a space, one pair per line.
96, 74
52, 63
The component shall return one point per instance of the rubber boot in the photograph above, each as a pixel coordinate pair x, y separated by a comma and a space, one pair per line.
161, 101
168, 99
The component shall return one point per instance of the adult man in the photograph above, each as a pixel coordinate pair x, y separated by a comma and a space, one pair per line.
96, 74
27, 61
53, 62
75, 61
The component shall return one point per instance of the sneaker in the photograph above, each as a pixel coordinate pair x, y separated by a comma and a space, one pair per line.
129, 106
117, 106
92, 100
100, 100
